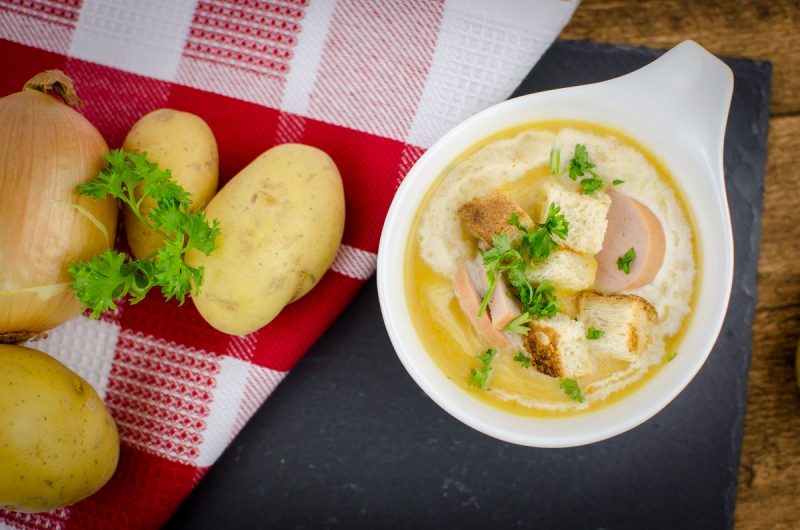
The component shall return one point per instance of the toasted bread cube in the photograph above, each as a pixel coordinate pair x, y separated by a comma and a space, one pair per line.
486, 217
626, 321
566, 270
557, 347
586, 215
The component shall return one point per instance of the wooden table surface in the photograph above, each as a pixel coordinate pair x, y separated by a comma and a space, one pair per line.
769, 470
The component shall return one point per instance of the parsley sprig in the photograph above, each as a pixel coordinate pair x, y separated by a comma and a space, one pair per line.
518, 324
571, 389
555, 161
579, 166
624, 261
110, 276
537, 243
594, 334
479, 376
542, 302
523, 359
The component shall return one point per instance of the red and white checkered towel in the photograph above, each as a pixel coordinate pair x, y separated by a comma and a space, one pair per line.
371, 82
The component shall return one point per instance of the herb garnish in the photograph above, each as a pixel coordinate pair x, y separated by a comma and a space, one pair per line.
539, 242
591, 185
109, 276
542, 303
617, 182
571, 388
672, 356
624, 261
479, 376
502, 257
555, 161
536, 244
579, 165
593, 333
523, 359
491, 279
518, 324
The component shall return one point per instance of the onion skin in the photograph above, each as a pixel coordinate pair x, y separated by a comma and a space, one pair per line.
46, 150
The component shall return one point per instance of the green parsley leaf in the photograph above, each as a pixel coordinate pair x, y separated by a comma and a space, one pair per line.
539, 242
672, 356
523, 359
591, 185
105, 278
518, 324
543, 303
555, 161
502, 255
202, 236
172, 274
617, 182
624, 261
556, 223
492, 282
110, 276
519, 281
479, 376
593, 333
579, 165
571, 388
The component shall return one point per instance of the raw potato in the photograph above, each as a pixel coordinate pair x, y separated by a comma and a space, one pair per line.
58, 443
183, 143
281, 221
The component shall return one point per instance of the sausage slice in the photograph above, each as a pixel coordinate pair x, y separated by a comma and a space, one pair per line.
630, 225
470, 301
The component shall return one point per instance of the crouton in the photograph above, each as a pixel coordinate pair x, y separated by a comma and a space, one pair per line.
626, 321
486, 217
558, 347
566, 270
586, 215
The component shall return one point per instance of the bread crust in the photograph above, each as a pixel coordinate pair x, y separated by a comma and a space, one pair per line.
486, 217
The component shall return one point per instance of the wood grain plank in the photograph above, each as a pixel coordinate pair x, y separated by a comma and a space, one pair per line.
769, 470
759, 29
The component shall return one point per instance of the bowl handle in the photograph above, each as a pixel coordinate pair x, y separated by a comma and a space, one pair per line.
687, 94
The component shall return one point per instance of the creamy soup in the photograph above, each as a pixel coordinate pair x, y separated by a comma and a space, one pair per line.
519, 163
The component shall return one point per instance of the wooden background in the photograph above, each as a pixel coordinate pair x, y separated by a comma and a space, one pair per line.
769, 471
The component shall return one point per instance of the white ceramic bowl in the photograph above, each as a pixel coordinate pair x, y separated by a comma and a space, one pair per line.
676, 106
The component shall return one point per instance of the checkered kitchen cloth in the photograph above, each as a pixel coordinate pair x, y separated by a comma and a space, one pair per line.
371, 82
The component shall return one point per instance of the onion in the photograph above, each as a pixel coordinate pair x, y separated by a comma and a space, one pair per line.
46, 149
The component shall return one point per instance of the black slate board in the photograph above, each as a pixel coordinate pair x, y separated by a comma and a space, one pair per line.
349, 440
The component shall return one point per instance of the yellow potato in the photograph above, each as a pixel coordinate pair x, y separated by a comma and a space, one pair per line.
58, 443
281, 221
183, 143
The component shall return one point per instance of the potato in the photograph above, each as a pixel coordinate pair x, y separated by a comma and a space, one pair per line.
58, 443
183, 143
281, 221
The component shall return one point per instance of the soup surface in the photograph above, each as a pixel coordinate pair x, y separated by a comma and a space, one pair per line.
517, 163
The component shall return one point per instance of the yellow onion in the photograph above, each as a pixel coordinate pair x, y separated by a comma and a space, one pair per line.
46, 150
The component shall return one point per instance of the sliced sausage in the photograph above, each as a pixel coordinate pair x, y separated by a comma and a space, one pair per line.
503, 308
631, 224
470, 301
